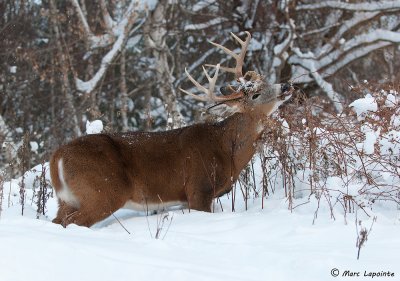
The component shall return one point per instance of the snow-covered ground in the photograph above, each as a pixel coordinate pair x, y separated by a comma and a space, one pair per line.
315, 240
268, 244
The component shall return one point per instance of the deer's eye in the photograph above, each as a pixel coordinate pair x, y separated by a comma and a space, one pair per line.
255, 96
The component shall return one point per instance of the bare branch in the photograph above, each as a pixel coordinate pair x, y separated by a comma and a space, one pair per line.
319, 30
95, 41
108, 20
280, 50
198, 62
82, 18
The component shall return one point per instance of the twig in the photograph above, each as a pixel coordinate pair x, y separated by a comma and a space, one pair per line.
362, 236
120, 223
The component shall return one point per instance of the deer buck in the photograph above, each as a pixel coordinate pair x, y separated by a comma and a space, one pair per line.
95, 175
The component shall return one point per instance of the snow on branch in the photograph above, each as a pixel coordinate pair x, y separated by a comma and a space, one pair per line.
363, 6
355, 54
117, 36
201, 26
375, 35
200, 5
282, 47
88, 86
351, 50
327, 64
362, 39
4, 129
328, 89
113, 28
345, 27
95, 41
301, 68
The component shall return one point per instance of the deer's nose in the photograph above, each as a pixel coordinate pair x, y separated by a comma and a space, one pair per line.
285, 87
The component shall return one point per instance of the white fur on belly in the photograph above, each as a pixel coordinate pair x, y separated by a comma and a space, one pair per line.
143, 207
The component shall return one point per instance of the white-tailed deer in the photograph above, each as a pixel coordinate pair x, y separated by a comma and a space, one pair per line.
96, 175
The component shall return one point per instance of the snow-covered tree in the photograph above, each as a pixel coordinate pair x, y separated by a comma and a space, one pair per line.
64, 63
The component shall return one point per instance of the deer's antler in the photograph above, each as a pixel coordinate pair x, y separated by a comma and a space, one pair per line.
238, 57
237, 70
210, 94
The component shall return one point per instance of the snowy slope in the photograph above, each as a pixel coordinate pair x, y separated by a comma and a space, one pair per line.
269, 244
314, 241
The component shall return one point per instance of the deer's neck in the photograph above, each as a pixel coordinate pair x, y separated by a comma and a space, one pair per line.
244, 130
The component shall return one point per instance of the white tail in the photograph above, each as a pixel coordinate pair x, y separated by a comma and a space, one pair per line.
96, 175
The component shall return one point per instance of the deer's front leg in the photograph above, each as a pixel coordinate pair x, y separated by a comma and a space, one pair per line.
201, 198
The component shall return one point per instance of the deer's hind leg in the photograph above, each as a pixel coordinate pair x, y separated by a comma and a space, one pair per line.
85, 215
94, 207
82, 216
64, 211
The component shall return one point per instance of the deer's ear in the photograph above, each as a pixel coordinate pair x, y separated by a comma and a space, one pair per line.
225, 109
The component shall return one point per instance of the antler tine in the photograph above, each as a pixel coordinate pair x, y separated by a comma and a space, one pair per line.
198, 86
224, 68
210, 95
238, 57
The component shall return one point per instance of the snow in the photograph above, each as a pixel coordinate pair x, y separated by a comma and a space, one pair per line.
94, 127
311, 241
362, 106
133, 41
362, 6
390, 101
147, 4
13, 69
201, 26
116, 36
201, 5
368, 145
331, 59
326, 87
273, 243
390, 143
88, 86
34, 146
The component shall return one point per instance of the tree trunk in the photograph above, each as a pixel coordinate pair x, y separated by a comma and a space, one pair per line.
156, 36
123, 95
63, 63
